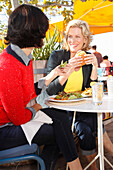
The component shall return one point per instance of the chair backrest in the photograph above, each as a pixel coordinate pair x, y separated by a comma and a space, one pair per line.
20, 153
40, 71
111, 71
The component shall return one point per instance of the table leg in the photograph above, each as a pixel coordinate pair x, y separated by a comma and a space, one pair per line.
100, 154
73, 122
100, 141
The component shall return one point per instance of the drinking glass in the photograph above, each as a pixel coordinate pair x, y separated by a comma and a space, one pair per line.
97, 93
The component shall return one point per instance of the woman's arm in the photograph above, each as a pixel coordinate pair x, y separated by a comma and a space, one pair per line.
63, 79
54, 60
57, 71
91, 59
61, 73
94, 73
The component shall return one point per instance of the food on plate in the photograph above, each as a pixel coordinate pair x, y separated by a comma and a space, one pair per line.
81, 53
87, 92
73, 95
62, 65
68, 96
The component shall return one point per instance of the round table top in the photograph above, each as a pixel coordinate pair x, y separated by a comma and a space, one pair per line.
85, 105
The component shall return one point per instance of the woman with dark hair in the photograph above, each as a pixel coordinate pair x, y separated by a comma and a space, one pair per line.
27, 27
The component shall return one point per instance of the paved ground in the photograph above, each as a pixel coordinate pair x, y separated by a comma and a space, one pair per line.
61, 162
109, 129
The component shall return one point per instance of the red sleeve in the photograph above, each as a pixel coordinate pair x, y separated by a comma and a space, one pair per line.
11, 94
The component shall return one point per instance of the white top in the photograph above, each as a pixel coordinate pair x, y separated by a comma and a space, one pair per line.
86, 105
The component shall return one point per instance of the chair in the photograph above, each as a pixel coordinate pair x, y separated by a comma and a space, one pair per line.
111, 70
21, 153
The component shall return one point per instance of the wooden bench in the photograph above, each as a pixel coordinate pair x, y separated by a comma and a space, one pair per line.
40, 71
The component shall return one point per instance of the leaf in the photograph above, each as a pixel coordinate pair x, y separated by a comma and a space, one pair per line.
62, 65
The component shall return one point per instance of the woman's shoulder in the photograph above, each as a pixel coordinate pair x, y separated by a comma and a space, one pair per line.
60, 54
61, 51
5, 58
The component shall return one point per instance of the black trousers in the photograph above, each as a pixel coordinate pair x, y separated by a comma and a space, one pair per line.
54, 137
63, 133
86, 128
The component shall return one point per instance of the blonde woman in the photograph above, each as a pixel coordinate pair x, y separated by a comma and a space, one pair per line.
78, 37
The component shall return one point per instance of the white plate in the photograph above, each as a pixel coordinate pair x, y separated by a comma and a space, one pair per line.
51, 98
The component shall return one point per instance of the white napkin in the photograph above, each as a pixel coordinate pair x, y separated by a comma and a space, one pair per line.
31, 128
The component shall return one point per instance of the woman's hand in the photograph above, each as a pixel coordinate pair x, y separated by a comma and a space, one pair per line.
59, 71
37, 107
76, 61
68, 70
91, 59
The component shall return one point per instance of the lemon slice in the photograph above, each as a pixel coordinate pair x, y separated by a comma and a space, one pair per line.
109, 76
92, 83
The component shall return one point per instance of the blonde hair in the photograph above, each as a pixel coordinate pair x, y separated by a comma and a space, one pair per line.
85, 32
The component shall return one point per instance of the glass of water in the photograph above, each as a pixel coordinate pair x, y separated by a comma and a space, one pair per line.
97, 93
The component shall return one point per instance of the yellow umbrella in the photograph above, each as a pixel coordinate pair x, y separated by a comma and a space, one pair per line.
60, 26
97, 13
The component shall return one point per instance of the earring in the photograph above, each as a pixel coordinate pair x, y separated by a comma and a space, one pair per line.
83, 44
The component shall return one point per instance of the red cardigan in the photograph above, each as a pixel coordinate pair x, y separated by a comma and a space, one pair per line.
16, 89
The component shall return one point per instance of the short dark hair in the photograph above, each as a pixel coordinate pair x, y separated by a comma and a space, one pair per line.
94, 47
105, 57
27, 26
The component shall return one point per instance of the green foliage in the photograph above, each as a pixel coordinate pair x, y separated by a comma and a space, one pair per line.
50, 44
6, 5
68, 15
2, 46
51, 7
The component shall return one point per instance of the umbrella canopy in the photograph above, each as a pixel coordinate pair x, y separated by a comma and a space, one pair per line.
97, 13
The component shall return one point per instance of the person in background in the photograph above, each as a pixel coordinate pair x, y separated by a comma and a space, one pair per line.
105, 62
77, 38
27, 26
97, 54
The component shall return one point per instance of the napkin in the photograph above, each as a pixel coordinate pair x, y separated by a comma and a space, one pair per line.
31, 128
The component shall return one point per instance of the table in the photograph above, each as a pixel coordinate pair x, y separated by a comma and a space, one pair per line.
102, 78
87, 106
